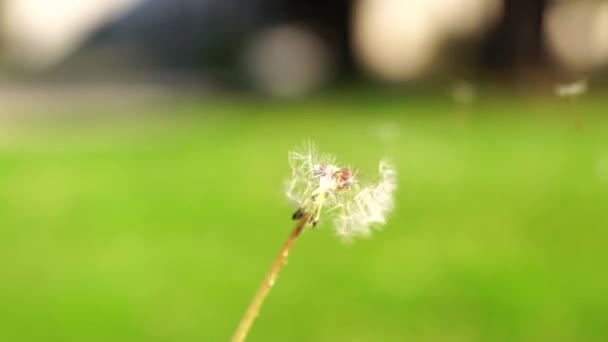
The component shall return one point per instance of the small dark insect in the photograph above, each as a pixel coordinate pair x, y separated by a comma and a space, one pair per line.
300, 213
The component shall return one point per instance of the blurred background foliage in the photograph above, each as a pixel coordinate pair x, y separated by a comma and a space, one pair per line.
291, 47
143, 149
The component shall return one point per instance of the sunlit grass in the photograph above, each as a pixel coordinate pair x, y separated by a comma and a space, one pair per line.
159, 229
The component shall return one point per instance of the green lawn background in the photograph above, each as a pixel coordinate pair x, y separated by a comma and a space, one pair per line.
158, 223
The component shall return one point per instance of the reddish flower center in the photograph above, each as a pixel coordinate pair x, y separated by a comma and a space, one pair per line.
345, 176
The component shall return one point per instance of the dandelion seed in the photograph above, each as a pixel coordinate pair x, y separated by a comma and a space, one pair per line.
386, 131
602, 169
464, 92
573, 89
318, 185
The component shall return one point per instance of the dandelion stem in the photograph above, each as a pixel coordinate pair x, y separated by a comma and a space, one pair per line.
254, 307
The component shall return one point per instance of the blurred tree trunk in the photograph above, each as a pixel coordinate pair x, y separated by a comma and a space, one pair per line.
516, 45
332, 20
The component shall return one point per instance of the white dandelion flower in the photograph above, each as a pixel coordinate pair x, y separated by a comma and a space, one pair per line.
318, 185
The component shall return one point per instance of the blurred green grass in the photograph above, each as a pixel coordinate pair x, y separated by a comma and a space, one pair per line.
160, 229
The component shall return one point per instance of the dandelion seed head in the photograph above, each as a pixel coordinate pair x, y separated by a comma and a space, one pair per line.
318, 184
307, 170
369, 206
